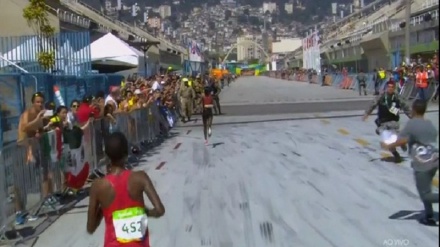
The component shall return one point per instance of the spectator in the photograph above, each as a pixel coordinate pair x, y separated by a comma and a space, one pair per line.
71, 115
31, 121
113, 97
59, 120
85, 111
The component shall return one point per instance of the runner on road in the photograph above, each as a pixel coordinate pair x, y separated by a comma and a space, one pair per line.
207, 105
118, 198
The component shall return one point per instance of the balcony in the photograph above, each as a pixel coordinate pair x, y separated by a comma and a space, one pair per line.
415, 21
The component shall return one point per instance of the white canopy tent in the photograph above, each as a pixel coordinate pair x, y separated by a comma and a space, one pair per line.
110, 50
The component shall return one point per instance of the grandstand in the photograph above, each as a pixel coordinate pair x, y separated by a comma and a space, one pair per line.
363, 37
124, 29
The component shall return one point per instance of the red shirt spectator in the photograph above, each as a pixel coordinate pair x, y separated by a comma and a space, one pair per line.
84, 112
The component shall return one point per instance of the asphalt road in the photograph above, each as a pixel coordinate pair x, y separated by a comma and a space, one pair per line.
301, 107
317, 181
306, 183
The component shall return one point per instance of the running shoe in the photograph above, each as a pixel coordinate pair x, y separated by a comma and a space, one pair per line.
20, 218
209, 132
206, 142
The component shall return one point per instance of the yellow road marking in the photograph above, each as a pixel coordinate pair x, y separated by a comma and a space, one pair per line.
325, 121
343, 132
362, 142
385, 155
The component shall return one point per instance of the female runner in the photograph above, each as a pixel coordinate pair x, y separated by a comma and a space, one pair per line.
207, 105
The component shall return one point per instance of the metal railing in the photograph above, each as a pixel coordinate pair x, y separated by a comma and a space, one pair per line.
132, 29
408, 89
428, 4
416, 20
72, 18
68, 158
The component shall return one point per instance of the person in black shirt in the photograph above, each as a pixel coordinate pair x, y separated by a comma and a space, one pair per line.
389, 106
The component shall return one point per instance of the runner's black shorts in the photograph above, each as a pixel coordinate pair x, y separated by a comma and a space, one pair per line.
206, 114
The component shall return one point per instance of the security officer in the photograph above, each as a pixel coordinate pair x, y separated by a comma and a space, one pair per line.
362, 82
389, 105
187, 96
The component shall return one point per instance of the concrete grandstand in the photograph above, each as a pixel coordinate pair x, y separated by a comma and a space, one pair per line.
374, 37
77, 16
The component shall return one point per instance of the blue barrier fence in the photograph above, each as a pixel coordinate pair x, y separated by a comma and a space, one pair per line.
17, 89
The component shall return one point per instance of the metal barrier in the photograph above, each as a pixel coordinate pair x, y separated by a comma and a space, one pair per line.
16, 90
349, 82
67, 160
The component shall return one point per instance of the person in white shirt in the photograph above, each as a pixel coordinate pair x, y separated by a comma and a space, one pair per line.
156, 85
112, 97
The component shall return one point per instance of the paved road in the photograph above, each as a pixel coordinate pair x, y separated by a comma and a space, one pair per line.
316, 182
265, 90
263, 96
303, 107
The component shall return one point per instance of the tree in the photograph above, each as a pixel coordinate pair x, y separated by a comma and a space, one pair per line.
246, 12
37, 17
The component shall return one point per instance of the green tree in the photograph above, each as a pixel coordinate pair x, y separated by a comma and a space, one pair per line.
37, 17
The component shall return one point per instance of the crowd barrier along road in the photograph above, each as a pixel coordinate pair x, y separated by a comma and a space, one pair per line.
70, 159
349, 82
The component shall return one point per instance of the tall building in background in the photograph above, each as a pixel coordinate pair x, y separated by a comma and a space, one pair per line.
164, 11
271, 7
118, 4
356, 5
288, 7
334, 11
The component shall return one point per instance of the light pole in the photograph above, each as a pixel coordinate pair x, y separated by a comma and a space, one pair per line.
407, 31
144, 46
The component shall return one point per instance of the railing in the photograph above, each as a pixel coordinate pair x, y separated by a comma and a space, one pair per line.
416, 20
342, 31
428, 4
407, 89
130, 28
104, 19
72, 18
69, 158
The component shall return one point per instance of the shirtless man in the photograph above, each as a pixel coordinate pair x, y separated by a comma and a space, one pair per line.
31, 125
118, 198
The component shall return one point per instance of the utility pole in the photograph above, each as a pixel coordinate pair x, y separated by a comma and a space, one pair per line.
407, 31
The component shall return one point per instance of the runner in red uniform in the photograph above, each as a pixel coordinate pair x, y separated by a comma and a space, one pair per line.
207, 104
118, 198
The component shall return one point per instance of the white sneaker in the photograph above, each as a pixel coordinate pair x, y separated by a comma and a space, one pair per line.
209, 131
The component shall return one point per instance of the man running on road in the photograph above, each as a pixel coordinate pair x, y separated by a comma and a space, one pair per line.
389, 105
118, 198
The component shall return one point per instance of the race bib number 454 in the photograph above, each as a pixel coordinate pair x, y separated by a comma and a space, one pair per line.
130, 224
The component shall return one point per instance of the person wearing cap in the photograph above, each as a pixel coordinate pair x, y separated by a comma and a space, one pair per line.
187, 95
138, 97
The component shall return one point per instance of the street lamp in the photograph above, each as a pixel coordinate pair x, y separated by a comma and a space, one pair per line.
144, 46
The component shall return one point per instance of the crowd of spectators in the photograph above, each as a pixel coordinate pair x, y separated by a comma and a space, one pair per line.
167, 92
